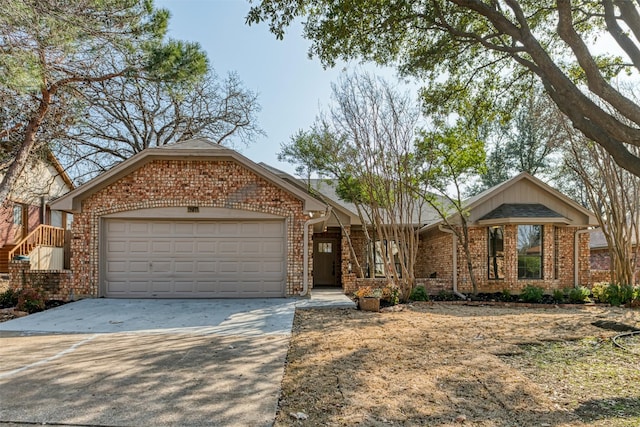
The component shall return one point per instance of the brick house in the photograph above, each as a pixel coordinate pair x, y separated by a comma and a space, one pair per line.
600, 257
190, 220
27, 208
522, 232
198, 220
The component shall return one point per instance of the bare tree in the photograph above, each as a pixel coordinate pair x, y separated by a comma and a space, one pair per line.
124, 116
614, 196
374, 125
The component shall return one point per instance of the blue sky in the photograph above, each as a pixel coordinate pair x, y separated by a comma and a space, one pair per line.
292, 88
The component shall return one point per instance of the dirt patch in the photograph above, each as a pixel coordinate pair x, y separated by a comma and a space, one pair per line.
449, 365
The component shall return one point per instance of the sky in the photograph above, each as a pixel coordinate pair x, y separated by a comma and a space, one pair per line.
292, 88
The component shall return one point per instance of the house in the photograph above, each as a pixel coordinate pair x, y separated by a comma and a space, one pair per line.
190, 220
43, 179
600, 257
522, 232
198, 220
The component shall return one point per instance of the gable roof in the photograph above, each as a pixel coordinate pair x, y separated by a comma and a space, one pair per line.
193, 149
507, 212
519, 211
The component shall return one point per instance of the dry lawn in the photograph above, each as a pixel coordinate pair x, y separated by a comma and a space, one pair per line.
451, 365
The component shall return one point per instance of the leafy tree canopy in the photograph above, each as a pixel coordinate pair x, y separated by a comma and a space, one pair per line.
478, 51
51, 49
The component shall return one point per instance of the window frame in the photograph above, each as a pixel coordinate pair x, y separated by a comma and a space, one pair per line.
526, 258
493, 254
378, 258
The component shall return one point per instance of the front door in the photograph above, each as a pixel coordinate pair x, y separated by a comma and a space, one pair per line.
325, 262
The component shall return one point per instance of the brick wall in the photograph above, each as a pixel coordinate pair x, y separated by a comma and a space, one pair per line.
54, 284
171, 183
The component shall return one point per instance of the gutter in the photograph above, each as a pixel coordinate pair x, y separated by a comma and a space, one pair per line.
576, 254
454, 240
305, 249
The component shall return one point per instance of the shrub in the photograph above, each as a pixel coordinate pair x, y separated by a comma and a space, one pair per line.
30, 300
505, 295
532, 293
579, 295
391, 294
558, 295
9, 298
599, 292
419, 293
619, 294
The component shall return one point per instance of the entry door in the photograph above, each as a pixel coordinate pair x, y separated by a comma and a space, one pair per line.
325, 262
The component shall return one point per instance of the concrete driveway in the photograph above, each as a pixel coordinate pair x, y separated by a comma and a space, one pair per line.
105, 362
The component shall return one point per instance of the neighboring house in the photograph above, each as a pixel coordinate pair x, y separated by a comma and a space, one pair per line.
42, 180
198, 220
600, 257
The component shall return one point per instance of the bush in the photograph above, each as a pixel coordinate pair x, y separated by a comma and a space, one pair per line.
532, 293
619, 294
391, 294
30, 300
579, 295
9, 298
558, 295
419, 293
505, 295
615, 294
599, 292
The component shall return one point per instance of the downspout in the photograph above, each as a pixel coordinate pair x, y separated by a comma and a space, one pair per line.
305, 249
454, 240
576, 255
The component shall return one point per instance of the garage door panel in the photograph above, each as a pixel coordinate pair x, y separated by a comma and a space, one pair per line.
139, 266
206, 247
195, 259
138, 246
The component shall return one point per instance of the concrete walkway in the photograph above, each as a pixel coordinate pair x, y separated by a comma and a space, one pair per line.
108, 362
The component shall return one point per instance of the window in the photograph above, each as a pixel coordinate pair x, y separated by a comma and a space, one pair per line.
529, 251
325, 247
496, 252
17, 214
379, 248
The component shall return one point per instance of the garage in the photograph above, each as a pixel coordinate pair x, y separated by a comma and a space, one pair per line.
194, 259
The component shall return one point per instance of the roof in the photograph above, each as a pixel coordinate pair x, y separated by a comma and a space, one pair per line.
511, 211
517, 212
198, 149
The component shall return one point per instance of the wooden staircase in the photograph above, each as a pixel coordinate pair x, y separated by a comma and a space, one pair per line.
43, 235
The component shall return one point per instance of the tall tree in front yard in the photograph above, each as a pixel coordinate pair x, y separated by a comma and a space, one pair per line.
50, 51
614, 196
453, 155
375, 124
486, 50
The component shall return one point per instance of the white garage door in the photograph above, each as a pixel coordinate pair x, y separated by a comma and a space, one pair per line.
194, 259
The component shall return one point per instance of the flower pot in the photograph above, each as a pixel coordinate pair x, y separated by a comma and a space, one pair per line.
369, 304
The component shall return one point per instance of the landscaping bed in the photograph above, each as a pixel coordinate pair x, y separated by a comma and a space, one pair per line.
451, 364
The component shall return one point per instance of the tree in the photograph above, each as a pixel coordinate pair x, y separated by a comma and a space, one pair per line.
365, 143
482, 50
126, 115
50, 51
453, 155
614, 196
527, 140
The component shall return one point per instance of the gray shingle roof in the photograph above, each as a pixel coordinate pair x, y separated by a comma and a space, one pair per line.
521, 210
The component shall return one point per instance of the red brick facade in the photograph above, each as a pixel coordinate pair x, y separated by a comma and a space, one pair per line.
434, 266
175, 183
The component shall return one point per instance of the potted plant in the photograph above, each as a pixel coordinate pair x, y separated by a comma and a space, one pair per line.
368, 298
